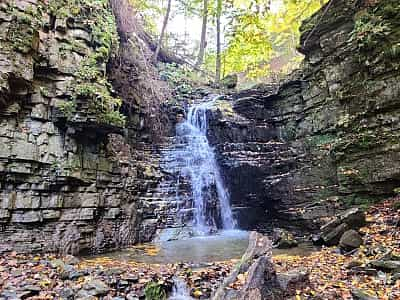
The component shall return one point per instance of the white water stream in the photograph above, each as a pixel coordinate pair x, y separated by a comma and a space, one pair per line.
201, 168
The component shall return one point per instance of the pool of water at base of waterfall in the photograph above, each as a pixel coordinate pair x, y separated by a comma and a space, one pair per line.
223, 246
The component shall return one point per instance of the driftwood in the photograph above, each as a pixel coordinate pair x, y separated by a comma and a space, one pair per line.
256, 263
261, 281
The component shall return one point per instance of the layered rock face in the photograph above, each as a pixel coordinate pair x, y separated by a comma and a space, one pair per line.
330, 134
69, 179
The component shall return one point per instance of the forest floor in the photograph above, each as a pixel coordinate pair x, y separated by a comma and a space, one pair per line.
332, 275
338, 276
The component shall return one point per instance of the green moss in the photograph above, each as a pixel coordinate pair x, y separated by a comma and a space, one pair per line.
68, 109
377, 32
289, 132
90, 84
369, 31
155, 291
23, 29
363, 201
320, 140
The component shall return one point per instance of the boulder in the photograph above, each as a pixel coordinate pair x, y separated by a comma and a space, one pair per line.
350, 240
332, 237
93, 288
354, 218
391, 266
351, 219
293, 280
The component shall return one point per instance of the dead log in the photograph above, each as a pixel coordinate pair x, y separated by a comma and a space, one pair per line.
261, 282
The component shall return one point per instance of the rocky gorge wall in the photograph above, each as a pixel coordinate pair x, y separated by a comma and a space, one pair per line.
329, 136
72, 168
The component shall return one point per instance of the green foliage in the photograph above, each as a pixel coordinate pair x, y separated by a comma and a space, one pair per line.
320, 141
91, 85
23, 31
258, 35
67, 108
362, 201
369, 31
180, 78
155, 291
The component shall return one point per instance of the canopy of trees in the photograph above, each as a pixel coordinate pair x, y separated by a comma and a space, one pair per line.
254, 38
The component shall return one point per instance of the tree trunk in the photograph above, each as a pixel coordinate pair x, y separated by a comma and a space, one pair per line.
203, 42
164, 27
218, 59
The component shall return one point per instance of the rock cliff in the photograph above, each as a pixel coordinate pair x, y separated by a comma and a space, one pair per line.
72, 166
327, 137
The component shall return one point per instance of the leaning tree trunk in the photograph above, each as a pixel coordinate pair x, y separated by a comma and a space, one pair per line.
218, 59
203, 41
164, 27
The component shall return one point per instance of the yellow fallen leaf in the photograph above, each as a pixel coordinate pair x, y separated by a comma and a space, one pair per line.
197, 294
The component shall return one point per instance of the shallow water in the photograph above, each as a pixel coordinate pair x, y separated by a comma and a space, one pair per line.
225, 245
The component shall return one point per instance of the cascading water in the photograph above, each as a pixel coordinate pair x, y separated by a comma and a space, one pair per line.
198, 163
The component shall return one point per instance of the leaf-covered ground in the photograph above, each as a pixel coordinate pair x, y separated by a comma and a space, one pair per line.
334, 275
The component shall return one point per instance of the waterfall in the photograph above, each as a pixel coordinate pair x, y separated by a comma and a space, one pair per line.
196, 157
180, 290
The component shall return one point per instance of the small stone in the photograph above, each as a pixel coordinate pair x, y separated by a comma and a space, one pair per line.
132, 278
67, 294
131, 296
96, 288
71, 260
350, 240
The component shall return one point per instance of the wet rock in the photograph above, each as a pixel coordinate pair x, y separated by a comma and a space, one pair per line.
395, 277
350, 220
350, 240
282, 239
9, 294
359, 270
